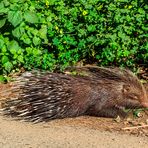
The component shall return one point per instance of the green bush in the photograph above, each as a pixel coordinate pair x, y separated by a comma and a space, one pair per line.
56, 33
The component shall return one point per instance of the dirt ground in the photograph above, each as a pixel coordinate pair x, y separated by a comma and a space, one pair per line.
91, 132
67, 133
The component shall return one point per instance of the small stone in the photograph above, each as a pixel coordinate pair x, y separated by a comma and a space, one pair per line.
118, 119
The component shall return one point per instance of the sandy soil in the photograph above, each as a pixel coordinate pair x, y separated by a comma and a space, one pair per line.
15, 134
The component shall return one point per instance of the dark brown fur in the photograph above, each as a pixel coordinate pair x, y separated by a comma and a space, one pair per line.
105, 92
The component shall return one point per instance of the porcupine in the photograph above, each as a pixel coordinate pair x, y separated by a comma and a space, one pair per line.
43, 96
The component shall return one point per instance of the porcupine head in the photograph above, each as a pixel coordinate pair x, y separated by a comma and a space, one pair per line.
121, 89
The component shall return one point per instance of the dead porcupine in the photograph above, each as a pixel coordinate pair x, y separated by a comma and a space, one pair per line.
42, 96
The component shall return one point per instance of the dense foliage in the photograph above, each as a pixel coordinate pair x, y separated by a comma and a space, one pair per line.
56, 33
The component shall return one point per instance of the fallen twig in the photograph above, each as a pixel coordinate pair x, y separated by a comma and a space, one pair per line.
134, 127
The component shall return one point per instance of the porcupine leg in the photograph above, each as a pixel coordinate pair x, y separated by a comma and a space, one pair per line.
107, 112
112, 112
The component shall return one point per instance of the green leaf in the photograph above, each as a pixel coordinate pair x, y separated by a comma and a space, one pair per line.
5, 59
14, 62
91, 39
82, 32
6, 2
81, 43
2, 79
31, 17
15, 17
126, 53
21, 58
14, 1
56, 41
8, 66
91, 28
69, 25
121, 34
36, 51
2, 43
27, 40
2, 22
112, 7
43, 32
69, 40
29, 50
1, 5
18, 32
36, 40
13, 45
13, 51
3, 10
4, 49
20, 51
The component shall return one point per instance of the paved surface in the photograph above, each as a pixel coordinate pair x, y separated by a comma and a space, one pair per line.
16, 134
